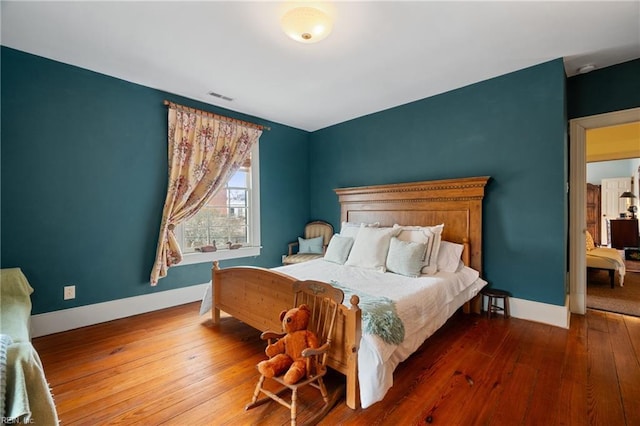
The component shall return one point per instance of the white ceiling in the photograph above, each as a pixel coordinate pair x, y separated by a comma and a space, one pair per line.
380, 54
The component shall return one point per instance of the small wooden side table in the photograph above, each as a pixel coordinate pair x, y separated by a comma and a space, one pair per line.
494, 295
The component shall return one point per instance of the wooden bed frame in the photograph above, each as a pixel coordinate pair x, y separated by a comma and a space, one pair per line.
256, 296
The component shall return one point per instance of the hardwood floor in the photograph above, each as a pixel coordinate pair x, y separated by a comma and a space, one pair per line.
171, 367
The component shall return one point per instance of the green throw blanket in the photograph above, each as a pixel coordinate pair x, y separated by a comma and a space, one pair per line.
379, 315
28, 397
5, 341
25, 392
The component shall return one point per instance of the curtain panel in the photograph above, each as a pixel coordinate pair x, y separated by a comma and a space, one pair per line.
204, 152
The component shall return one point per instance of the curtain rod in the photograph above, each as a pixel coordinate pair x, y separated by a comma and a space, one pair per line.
216, 116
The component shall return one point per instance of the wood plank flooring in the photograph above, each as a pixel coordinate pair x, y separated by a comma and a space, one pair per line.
172, 367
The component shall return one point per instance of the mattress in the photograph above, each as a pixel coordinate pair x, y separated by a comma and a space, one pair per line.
423, 304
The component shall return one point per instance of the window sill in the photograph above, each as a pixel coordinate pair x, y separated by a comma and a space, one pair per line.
224, 254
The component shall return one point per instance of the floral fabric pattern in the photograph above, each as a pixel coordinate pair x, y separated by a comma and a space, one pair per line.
204, 152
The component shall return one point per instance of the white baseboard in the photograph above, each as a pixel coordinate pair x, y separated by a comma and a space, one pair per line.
540, 312
82, 316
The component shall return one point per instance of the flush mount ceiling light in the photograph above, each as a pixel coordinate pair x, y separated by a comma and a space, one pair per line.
306, 24
586, 68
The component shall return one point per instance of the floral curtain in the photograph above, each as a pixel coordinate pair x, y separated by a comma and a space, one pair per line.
204, 152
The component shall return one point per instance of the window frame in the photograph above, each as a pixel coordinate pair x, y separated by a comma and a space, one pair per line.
253, 224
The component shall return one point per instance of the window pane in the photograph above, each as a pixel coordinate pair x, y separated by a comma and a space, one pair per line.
237, 197
239, 179
224, 218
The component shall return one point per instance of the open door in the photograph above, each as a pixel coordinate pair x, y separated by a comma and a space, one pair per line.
612, 205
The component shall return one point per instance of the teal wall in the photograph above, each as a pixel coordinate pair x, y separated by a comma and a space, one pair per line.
609, 89
84, 164
83, 181
511, 128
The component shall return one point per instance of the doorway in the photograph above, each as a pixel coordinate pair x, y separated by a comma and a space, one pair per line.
577, 199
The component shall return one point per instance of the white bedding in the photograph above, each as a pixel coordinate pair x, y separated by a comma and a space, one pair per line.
423, 304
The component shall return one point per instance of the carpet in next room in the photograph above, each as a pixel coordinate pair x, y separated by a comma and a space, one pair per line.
623, 300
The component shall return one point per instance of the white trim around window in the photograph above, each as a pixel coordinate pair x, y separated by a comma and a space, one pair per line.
225, 254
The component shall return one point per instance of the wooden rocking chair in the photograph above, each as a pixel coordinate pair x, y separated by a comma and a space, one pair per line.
324, 300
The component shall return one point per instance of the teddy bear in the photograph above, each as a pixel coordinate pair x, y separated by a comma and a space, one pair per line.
286, 353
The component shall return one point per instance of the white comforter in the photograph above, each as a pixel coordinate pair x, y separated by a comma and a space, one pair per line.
423, 304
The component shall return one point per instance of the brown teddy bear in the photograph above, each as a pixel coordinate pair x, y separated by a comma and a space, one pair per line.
286, 353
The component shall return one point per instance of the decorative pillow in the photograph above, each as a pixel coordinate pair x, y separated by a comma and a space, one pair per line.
312, 245
338, 249
590, 244
405, 257
449, 256
370, 248
350, 229
429, 235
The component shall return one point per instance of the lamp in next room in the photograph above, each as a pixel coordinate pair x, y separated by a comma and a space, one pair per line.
631, 207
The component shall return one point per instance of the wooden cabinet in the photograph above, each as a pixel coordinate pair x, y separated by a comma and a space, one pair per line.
593, 212
623, 233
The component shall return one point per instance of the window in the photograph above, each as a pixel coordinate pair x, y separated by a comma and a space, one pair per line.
232, 215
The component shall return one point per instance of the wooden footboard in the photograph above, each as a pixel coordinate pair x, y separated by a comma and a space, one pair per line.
256, 296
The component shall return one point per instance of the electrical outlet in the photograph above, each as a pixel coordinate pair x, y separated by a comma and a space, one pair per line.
69, 292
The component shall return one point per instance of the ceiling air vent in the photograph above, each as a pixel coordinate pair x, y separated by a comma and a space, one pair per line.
218, 95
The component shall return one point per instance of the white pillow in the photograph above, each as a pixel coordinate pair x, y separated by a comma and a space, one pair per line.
429, 235
405, 257
371, 247
449, 256
338, 249
350, 229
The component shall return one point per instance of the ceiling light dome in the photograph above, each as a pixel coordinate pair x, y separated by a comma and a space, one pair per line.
586, 68
306, 24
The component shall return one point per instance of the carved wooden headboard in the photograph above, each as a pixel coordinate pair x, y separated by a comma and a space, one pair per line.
455, 202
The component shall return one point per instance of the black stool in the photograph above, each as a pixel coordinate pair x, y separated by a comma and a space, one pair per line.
494, 295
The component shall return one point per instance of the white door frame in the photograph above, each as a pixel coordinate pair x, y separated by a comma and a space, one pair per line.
578, 198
